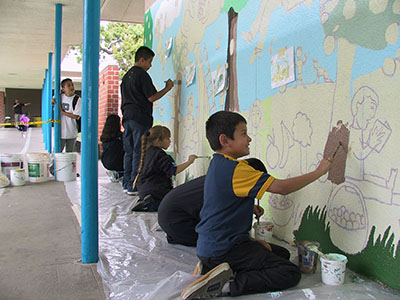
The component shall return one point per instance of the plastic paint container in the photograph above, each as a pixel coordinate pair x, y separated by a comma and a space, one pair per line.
65, 166
9, 162
38, 166
17, 177
333, 268
307, 259
263, 231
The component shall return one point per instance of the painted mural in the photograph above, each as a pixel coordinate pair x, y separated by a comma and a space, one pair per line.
347, 77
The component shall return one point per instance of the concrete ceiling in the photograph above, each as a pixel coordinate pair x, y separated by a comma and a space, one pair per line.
27, 34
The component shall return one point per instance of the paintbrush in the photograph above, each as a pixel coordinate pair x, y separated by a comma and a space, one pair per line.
330, 159
337, 148
204, 156
174, 81
314, 248
258, 218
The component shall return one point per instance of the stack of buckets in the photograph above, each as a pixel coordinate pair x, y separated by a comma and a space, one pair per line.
12, 166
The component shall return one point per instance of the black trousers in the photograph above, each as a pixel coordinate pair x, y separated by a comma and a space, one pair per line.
257, 270
181, 233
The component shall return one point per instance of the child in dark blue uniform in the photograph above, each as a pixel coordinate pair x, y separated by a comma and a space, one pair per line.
239, 264
179, 211
112, 156
156, 169
138, 95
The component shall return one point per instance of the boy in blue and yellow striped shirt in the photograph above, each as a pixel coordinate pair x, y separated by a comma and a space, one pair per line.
239, 264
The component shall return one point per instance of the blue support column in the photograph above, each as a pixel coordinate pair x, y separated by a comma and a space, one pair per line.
57, 76
43, 132
89, 147
47, 106
44, 97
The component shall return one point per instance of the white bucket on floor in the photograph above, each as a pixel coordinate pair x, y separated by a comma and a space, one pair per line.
65, 166
263, 231
333, 268
17, 177
9, 162
38, 166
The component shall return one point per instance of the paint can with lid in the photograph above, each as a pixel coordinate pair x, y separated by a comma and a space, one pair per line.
38, 166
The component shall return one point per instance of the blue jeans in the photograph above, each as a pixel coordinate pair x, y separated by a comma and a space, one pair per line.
132, 146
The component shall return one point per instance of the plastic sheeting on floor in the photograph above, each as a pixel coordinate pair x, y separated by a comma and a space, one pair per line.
136, 262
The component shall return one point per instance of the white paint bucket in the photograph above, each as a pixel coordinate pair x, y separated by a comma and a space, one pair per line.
38, 166
65, 166
333, 268
263, 231
17, 177
9, 162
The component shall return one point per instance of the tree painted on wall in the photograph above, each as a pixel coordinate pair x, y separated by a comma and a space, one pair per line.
347, 23
232, 7
148, 29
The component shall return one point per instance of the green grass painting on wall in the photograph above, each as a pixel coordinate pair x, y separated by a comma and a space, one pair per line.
379, 260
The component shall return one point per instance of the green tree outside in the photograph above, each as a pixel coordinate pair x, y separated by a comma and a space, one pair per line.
121, 41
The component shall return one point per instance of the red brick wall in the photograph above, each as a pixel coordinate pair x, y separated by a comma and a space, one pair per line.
2, 103
109, 99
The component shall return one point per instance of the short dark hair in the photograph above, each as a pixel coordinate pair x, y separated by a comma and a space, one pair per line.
222, 122
64, 81
144, 52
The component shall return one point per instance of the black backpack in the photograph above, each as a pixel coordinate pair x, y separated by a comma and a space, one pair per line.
78, 121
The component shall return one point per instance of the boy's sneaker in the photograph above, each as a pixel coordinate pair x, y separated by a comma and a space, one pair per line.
198, 269
209, 285
130, 192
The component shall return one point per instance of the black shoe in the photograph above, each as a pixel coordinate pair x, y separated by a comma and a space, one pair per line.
146, 205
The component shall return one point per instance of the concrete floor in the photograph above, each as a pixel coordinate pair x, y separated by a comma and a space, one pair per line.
40, 246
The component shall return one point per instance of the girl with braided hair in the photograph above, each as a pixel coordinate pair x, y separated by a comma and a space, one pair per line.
156, 168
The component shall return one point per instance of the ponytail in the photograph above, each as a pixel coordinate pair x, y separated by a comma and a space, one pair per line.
143, 151
157, 132
142, 156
